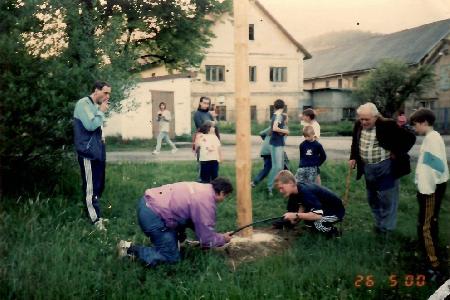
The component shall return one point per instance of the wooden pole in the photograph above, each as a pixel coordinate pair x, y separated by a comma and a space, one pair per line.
242, 109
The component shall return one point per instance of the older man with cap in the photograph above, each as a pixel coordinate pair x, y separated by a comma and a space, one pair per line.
380, 151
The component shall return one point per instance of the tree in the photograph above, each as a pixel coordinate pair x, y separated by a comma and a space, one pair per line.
51, 51
392, 83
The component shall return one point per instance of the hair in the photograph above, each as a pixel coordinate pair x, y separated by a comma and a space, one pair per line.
369, 106
285, 176
162, 103
206, 127
309, 112
423, 115
308, 131
202, 98
221, 184
98, 85
278, 104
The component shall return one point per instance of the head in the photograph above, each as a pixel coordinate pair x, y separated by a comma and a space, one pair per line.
162, 106
286, 184
401, 119
206, 128
423, 120
308, 115
222, 187
308, 133
101, 91
278, 104
204, 103
368, 115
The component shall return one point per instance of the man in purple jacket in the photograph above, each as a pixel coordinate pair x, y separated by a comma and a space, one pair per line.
165, 212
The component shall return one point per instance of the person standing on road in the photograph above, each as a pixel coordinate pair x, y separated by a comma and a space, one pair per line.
89, 115
164, 118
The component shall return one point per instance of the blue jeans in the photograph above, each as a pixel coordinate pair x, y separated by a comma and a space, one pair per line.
265, 171
165, 242
163, 135
277, 156
382, 194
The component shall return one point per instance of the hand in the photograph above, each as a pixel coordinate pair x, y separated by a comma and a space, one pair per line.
352, 163
290, 216
227, 236
104, 106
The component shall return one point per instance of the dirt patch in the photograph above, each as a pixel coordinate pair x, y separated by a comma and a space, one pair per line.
265, 242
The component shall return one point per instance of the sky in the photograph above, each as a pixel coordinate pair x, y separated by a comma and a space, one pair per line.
308, 18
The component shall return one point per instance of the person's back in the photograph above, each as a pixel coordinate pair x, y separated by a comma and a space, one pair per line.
331, 204
311, 154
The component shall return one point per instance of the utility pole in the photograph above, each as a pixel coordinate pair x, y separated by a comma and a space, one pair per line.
242, 108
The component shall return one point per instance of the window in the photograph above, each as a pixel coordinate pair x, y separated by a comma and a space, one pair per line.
221, 112
355, 81
215, 73
348, 113
253, 112
278, 74
340, 83
251, 32
252, 73
327, 83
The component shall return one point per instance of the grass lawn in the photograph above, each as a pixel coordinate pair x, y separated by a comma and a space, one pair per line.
48, 250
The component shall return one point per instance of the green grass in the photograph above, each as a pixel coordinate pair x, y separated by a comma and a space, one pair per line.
343, 128
48, 249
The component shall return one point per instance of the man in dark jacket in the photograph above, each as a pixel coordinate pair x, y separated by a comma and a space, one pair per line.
88, 117
380, 151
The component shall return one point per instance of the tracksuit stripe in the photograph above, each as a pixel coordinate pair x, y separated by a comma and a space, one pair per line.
89, 189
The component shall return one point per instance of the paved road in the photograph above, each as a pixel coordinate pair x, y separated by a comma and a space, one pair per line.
337, 148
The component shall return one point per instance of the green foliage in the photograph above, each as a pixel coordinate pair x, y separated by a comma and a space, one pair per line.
49, 250
392, 83
40, 82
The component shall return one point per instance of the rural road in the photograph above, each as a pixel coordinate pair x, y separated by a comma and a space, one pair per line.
337, 148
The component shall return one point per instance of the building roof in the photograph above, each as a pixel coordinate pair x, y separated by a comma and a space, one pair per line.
285, 32
409, 46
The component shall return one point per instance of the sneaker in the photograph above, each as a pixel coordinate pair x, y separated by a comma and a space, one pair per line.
155, 152
252, 184
104, 220
99, 225
333, 233
122, 248
174, 150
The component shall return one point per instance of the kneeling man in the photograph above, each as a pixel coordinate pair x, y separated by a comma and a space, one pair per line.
310, 202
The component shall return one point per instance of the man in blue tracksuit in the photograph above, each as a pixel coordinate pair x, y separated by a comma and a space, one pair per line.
88, 117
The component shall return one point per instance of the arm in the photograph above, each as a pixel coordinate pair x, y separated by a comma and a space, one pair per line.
204, 219
91, 120
276, 128
220, 153
322, 154
167, 116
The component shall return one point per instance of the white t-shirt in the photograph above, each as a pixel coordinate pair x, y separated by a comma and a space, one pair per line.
164, 121
315, 125
209, 147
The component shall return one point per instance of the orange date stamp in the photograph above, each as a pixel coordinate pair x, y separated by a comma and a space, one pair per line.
393, 281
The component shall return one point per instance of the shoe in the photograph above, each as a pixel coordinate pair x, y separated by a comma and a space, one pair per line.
252, 184
333, 233
270, 194
104, 220
99, 225
155, 152
122, 248
174, 150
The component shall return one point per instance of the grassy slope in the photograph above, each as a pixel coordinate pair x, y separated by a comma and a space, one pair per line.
48, 249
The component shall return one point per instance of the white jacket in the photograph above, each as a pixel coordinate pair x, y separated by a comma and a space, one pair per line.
432, 168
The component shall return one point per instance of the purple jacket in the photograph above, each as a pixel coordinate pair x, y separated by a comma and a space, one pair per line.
184, 202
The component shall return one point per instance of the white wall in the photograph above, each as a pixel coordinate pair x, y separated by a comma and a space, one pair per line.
136, 122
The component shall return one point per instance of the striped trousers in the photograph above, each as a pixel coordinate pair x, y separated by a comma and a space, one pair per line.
427, 227
93, 184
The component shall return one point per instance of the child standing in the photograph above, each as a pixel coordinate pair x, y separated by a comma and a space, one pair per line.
208, 145
308, 118
312, 156
431, 180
